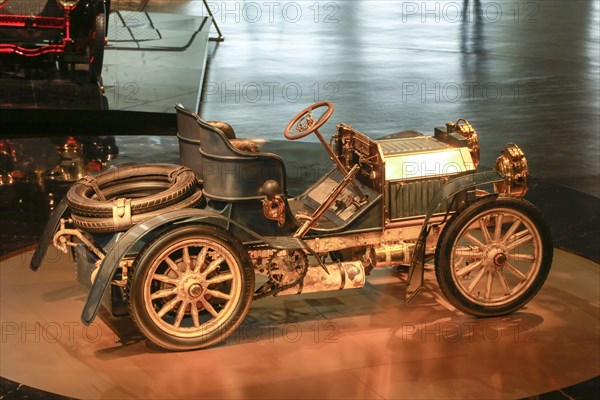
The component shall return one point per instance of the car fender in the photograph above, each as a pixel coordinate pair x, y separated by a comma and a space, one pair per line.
61, 211
447, 191
117, 250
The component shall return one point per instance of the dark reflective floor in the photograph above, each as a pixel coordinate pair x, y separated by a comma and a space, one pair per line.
525, 71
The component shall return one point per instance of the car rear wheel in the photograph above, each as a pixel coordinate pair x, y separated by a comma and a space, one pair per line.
190, 287
494, 256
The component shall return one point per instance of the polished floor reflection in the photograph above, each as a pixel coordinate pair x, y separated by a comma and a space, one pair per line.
362, 343
523, 71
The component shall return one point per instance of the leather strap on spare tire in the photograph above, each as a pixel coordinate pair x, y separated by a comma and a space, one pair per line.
120, 197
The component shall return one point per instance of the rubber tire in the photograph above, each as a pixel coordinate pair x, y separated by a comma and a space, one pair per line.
97, 49
449, 235
105, 225
143, 262
121, 181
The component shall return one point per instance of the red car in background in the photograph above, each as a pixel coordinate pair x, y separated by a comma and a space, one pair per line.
73, 31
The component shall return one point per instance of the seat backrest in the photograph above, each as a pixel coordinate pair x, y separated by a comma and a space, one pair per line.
189, 127
233, 175
226, 173
188, 135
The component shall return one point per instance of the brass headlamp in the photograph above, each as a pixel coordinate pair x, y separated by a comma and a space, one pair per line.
512, 164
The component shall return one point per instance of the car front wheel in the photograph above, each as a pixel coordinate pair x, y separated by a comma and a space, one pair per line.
494, 256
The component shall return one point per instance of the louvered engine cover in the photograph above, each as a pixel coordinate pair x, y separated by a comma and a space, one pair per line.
416, 168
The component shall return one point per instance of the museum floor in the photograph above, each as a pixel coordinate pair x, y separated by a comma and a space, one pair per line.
523, 71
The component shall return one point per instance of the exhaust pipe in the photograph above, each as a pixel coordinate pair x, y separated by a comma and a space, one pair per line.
342, 275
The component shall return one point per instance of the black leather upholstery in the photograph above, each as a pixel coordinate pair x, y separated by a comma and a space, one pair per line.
189, 126
227, 174
233, 175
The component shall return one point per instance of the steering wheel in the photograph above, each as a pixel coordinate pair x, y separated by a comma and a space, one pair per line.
304, 124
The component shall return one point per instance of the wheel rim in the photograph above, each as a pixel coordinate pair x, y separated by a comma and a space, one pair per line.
193, 287
496, 257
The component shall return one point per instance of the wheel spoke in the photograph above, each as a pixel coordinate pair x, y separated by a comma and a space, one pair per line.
168, 307
172, 265
484, 230
511, 231
200, 259
464, 271
194, 312
220, 279
520, 234
521, 257
490, 282
458, 263
515, 271
180, 314
213, 265
208, 307
498, 230
474, 240
186, 259
218, 294
507, 290
519, 242
163, 293
165, 279
476, 280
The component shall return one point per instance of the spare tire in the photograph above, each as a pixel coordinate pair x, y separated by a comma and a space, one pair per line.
87, 196
120, 197
104, 225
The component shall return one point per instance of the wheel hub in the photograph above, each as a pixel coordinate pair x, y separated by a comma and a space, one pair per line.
195, 290
500, 259
495, 256
192, 287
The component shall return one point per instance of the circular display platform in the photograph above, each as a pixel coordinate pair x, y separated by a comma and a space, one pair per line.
354, 344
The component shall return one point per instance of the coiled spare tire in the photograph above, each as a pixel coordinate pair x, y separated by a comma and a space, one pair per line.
119, 198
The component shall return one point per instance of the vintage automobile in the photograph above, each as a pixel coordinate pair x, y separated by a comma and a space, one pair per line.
72, 30
186, 249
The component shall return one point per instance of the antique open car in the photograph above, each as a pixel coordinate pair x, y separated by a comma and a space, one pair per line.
74, 31
186, 249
